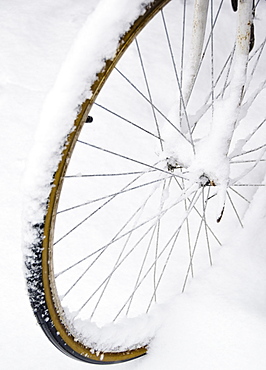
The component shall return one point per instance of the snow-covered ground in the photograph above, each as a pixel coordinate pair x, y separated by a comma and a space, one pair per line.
221, 321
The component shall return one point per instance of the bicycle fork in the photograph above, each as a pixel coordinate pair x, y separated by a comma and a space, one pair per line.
210, 160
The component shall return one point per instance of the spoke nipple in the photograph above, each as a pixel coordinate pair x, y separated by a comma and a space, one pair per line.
89, 119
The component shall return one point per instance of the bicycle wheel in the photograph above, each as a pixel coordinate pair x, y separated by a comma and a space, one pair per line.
136, 208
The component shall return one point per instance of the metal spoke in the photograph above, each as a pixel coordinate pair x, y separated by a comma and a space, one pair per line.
212, 61
173, 240
194, 248
156, 108
173, 237
182, 101
183, 44
204, 206
98, 209
149, 93
113, 240
113, 195
128, 121
240, 195
201, 216
249, 151
119, 237
247, 185
234, 208
78, 176
129, 159
247, 161
118, 260
113, 271
247, 171
259, 52
194, 200
141, 268
125, 257
158, 235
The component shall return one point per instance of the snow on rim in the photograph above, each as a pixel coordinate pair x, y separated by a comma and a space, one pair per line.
85, 59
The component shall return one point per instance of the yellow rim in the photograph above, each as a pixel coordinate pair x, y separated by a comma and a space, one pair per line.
52, 300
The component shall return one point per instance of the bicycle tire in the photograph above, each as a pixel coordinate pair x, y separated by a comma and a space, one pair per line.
37, 279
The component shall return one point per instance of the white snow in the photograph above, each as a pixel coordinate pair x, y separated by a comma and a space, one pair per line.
118, 336
220, 322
